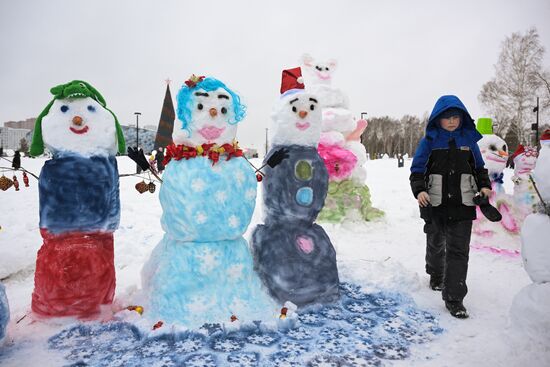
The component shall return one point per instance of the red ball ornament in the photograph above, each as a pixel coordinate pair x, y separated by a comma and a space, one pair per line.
259, 177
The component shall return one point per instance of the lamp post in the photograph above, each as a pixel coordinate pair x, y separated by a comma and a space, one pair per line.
535, 126
138, 168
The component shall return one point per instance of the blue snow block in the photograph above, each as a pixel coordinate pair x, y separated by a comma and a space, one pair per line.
4, 312
296, 262
295, 190
196, 282
79, 194
205, 202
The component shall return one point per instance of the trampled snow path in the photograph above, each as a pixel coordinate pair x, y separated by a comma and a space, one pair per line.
385, 255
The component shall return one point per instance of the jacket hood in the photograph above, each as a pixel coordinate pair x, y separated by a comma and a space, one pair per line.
467, 126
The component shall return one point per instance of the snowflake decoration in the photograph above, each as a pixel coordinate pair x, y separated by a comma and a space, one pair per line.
188, 345
299, 334
233, 221
359, 307
226, 344
293, 348
201, 217
209, 260
391, 351
221, 197
200, 360
243, 359
198, 185
311, 319
333, 313
330, 346
263, 339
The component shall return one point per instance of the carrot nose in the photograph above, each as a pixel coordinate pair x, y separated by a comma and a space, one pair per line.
213, 112
302, 114
502, 153
77, 120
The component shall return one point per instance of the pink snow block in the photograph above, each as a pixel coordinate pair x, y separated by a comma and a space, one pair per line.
305, 244
340, 162
75, 274
355, 135
508, 221
495, 250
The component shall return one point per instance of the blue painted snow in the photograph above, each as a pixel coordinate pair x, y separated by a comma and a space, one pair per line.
362, 329
4, 312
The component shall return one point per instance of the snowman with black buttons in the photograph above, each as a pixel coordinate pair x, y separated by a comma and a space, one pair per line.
293, 255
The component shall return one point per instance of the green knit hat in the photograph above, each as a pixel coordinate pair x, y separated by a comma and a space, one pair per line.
74, 89
485, 126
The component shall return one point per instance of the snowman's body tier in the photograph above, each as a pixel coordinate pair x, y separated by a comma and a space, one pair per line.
79, 194
193, 283
205, 202
295, 190
296, 262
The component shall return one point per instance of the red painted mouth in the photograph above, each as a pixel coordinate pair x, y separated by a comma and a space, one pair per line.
323, 76
303, 126
211, 132
84, 130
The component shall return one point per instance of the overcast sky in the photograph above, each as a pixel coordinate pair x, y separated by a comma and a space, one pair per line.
395, 57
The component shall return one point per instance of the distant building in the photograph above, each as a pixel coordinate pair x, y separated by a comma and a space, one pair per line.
11, 138
26, 124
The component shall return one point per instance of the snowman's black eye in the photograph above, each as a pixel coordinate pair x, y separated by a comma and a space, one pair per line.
224, 110
312, 107
91, 108
64, 108
319, 68
504, 148
294, 109
200, 106
326, 69
493, 147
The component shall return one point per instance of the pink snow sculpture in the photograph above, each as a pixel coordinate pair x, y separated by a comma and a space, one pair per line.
340, 162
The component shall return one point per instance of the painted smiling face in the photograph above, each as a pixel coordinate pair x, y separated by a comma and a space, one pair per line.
81, 126
209, 112
495, 153
525, 162
317, 72
297, 119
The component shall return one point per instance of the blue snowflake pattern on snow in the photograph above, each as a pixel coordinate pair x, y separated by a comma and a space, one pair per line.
362, 329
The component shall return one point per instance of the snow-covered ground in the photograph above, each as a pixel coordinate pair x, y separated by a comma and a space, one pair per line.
388, 253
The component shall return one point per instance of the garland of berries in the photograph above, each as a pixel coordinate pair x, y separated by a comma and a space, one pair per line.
212, 151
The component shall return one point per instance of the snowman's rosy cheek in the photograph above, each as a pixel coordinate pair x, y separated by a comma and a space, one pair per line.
64, 108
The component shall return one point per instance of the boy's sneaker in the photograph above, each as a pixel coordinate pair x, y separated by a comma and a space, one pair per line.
457, 309
436, 283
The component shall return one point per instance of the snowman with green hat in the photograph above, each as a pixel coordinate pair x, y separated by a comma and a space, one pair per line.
491, 235
79, 202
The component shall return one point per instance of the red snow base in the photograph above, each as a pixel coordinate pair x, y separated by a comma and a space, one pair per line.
75, 274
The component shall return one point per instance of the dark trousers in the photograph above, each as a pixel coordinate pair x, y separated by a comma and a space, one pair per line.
447, 253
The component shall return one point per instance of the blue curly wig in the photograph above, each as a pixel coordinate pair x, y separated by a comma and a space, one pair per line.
186, 100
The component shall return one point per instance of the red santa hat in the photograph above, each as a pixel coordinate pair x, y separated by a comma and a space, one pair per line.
520, 150
292, 81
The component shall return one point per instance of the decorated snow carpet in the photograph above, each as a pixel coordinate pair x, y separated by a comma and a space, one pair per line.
362, 329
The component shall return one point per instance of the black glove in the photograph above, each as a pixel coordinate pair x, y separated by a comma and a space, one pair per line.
277, 157
489, 211
139, 157
16, 161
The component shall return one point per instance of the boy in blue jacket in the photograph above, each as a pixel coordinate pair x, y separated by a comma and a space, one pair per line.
446, 173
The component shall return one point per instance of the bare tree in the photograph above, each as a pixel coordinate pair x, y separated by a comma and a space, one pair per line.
509, 96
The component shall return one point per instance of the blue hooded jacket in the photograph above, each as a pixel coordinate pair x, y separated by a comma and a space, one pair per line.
438, 138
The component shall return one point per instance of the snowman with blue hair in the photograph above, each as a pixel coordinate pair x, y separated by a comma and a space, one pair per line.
202, 270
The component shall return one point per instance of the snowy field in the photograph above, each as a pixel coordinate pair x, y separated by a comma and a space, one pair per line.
385, 255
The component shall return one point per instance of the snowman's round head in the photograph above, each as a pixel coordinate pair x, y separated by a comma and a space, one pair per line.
495, 153
524, 159
209, 112
77, 121
297, 119
317, 72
